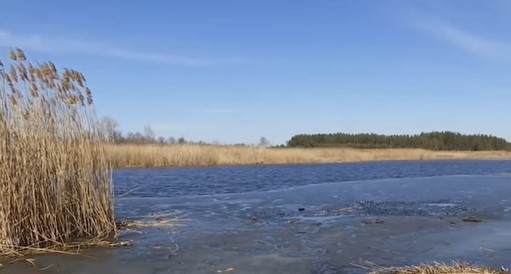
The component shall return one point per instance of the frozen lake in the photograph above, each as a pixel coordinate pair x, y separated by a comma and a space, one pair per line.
305, 219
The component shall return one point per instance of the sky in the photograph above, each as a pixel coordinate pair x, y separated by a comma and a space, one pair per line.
235, 71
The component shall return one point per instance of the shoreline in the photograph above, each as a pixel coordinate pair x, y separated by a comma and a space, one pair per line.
305, 163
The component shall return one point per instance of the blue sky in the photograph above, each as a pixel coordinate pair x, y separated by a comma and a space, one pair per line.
233, 71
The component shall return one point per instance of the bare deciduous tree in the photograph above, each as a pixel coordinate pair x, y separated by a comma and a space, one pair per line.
111, 126
263, 142
149, 134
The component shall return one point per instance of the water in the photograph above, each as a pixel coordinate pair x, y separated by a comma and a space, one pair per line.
177, 182
304, 218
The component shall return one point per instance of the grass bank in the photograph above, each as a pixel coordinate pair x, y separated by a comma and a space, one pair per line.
182, 155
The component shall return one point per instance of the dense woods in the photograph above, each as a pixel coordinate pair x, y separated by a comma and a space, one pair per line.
432, 140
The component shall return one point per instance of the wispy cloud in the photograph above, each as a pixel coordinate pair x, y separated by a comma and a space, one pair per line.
66, 45
475, 44
183, 129
219, 110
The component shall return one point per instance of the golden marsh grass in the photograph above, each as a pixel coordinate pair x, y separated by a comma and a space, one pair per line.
440, 268
55, 178
154, 155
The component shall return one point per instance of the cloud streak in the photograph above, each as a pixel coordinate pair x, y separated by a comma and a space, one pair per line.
218, 110
65, 45
183, 129
469, 42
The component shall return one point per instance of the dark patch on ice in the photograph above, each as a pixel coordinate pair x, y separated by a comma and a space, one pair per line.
438, 208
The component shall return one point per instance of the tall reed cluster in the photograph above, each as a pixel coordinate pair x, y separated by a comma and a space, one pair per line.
55, 177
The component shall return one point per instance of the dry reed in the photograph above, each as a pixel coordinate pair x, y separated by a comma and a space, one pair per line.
153, 155
439, 268
55, 178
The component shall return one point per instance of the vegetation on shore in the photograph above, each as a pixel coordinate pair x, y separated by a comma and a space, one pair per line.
431, 141
161, 155
439, 268
55, 177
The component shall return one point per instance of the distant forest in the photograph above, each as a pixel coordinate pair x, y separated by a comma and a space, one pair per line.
433, 140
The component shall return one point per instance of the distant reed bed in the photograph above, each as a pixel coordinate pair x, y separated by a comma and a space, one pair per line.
55, 178
155, 155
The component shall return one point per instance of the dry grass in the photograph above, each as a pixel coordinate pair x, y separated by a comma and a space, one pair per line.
55, 178
164, 219
130, 155
439, 268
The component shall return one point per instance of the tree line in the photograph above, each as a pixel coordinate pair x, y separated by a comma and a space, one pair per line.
148, 136
445, 140
111, 127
